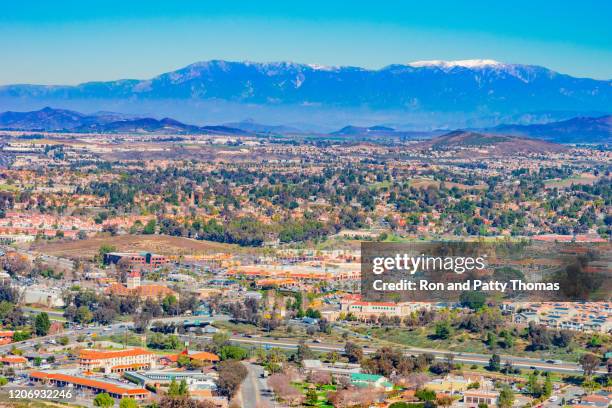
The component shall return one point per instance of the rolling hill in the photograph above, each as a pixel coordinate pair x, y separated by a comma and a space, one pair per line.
488, 144
50, 119
575, 130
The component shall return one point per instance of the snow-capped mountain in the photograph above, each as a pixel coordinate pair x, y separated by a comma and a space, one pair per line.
434, 92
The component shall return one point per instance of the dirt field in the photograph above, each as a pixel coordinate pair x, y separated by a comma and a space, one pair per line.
161, 244
425, 183
582, 179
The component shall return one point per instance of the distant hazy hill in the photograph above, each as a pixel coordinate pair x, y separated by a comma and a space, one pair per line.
140, 125
492, 144
450, 93
381, 132
576, 130
44, 119
49, 119
251, 126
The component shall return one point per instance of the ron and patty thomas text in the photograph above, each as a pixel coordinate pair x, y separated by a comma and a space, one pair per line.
413, 264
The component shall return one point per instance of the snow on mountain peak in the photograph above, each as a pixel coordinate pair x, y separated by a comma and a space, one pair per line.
470, 63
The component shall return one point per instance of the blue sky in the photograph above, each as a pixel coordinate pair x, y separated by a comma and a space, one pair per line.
67, 42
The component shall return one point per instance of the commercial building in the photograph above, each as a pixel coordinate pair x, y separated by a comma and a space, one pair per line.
116, 361
136, 261
96, 386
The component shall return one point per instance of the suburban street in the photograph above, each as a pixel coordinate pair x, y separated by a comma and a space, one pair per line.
254, 392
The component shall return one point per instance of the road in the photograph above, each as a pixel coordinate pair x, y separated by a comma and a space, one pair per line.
470, 358
254, 392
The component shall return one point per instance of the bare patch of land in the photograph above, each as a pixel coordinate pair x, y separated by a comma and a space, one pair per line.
582, 179
160, 244
426, 183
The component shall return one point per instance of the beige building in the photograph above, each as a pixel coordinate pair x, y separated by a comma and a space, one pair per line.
116, 361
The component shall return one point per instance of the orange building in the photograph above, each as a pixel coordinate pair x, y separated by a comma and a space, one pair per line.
116, 361
13, 361
96, 386
6, 336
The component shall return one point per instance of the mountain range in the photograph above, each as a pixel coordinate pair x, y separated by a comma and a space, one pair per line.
471, 93
576, 130
49, 119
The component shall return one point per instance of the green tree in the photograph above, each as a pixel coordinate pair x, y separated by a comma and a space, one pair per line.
173, 389
42, 324
128, 402
443, 329
494, 363
548, 386
83, 315
425, 394
220, 339
183, 389
304, 352
473, 300
506, 398
149, 228
103, 400
105, 249
311, 396
589, 363
183, 360
230, 352
533, 386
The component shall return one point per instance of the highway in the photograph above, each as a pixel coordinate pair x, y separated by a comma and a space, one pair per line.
469, 358
291, 344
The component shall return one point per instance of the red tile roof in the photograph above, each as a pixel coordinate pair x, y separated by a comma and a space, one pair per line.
86, 382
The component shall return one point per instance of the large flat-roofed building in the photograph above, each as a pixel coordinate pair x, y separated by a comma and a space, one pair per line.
116, 361
165, 377
136, 261
96, 386
362, 309
337, 370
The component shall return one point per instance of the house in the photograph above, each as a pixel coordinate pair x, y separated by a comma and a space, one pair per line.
134, 287
16, 362
6, 336
472, 398
370, 380
454, 383
600, 399
203, 357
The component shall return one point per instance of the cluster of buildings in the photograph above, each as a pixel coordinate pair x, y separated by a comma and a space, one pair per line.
131, 372
587, 317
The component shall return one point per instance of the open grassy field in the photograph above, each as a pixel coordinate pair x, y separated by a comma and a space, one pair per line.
470, 343
161, 244
426, 183
583, 179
